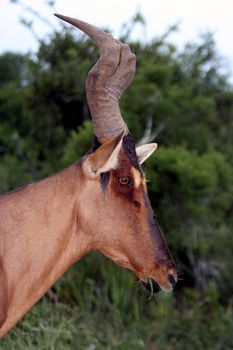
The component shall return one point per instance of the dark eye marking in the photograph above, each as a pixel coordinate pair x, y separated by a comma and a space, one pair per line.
137, 204
124, 180
104, 180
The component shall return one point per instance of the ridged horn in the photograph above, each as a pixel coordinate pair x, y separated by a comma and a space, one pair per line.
107, 80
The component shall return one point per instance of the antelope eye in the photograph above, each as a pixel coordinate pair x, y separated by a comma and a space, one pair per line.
124, 180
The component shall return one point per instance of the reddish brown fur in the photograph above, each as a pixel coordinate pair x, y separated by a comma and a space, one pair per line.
137, 248
39, 240
47, 226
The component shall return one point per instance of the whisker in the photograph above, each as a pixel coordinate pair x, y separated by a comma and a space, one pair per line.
180, 279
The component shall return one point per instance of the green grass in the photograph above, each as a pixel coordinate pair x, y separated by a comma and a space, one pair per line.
109, 311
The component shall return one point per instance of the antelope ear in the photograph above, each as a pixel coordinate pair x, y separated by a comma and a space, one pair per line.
103, 159
145, 151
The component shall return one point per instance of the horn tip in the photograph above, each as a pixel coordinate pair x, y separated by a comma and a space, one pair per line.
64, 18
58, 15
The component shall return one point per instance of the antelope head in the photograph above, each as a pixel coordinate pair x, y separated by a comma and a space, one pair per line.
115, 211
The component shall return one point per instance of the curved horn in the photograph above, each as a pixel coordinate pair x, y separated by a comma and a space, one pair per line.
107, 80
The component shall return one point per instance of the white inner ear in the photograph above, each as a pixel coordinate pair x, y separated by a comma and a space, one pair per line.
93, 172
145, 151
112, 161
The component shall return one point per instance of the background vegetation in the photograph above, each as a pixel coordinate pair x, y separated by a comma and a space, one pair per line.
188, 103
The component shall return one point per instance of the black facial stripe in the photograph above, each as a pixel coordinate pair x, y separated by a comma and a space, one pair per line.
156, 231
128, 146
104, 180
129, 149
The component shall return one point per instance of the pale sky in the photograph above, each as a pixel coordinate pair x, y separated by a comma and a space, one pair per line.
194, 17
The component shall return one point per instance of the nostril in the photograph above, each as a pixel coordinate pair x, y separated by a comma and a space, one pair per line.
172, 280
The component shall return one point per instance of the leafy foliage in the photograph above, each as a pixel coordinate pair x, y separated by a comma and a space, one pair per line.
45, 125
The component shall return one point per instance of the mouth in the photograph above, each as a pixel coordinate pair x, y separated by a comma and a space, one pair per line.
151, 286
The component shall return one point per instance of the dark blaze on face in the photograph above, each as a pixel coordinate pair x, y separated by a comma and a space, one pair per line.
137, 242
143, 246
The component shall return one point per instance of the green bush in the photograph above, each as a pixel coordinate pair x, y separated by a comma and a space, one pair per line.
44, 126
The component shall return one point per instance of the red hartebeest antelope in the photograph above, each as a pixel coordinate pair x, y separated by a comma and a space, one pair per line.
100, 202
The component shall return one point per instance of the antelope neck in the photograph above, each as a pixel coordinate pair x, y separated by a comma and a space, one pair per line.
40, 232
